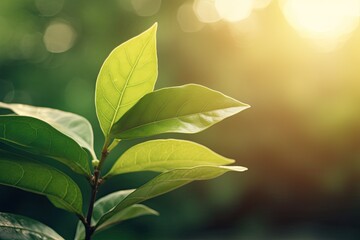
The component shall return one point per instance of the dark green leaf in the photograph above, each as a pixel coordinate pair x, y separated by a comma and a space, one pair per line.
127, 74
16, 227
163, 155
186, 109
37, 137
70, 124
167, 182
61, 190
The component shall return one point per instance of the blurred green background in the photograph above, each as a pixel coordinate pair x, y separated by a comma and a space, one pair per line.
295, 62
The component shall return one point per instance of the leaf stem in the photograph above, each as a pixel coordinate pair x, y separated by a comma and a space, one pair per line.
95, 183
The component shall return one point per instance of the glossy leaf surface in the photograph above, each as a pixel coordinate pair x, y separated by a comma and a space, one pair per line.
70, 124
185, 109
129, 72
164, 155
167, 182
16, 227
61, 190
35, 136
105, 204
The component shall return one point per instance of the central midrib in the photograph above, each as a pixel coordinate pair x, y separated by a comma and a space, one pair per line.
126, 83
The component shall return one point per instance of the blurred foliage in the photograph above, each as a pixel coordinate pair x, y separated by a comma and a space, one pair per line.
300, 140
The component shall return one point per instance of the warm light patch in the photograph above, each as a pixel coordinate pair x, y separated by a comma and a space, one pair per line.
259, 4
234, 10
187, 18
205, 11
325, 20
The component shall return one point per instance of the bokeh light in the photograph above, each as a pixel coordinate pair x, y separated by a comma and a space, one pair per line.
234, 10
59, 37
211, 11
206, 11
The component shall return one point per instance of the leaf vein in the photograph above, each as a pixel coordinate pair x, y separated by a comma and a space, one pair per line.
126, 83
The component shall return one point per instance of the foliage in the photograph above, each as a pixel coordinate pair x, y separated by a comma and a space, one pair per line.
127, 107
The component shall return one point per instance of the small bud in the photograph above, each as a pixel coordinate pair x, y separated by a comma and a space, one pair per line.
95, 162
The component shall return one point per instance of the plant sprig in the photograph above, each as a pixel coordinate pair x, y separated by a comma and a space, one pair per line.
127, 108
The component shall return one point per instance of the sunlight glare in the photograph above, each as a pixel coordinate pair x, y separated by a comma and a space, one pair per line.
187, 19
325, 20
260, 4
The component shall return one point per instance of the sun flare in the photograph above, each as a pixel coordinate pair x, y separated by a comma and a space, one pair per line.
325, 20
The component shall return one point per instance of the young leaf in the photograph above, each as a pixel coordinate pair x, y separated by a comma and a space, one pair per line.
134, 211
35, 136
60, 189
70, 124
185, 109
164, 155
127, 74
18, 227
106, 204
167, 182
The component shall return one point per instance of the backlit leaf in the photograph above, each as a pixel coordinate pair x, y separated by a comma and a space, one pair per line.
37, 137
163, 155
129, 72
167, 182
185, 109
16, 227
70, 124
61, 190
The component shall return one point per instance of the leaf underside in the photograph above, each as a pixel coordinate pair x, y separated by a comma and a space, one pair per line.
35, 136
74, 126
16, 227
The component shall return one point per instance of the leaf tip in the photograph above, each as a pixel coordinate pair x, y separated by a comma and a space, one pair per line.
236, 168
243, 106
153, 28
241, 169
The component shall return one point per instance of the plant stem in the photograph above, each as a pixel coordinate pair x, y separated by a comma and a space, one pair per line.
94, 188
95, 182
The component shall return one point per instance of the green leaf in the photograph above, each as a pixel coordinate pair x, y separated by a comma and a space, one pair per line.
127, 75
106, 204
167, 182
37, 137
18, 227
185, 109
60, 189
164, 155
134, 211
70, 124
